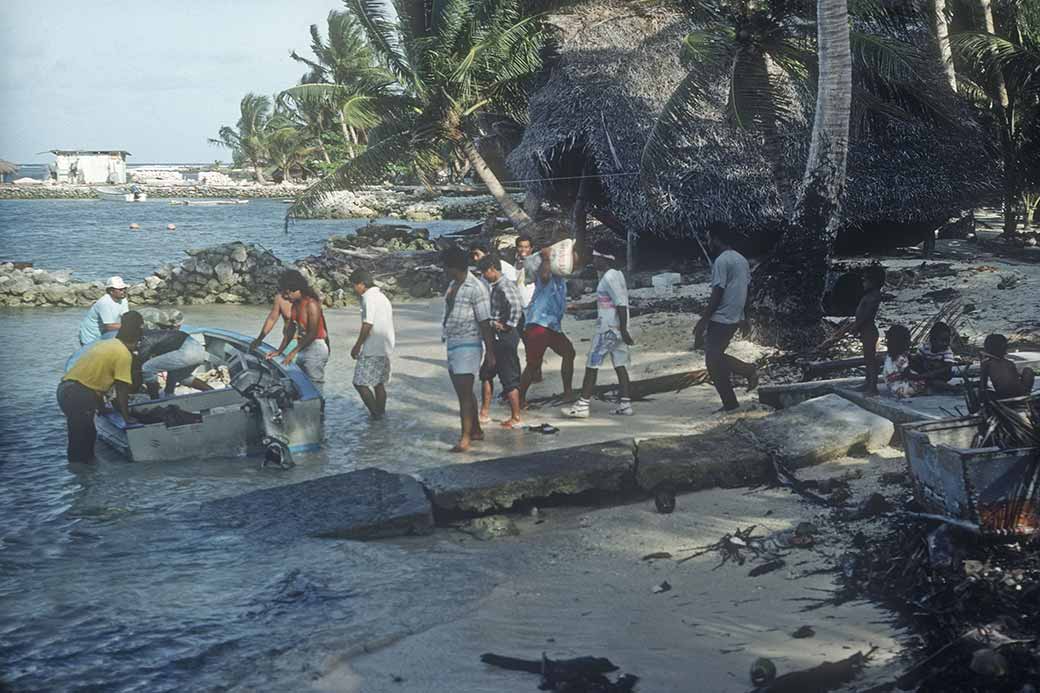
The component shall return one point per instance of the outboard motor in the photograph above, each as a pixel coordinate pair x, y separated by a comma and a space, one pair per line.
269, 400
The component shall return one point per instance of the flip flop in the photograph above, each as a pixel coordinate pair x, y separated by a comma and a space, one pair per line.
543, 428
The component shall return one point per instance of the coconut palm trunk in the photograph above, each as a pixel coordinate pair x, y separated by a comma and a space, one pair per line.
794, 279
517, 216
942, 39
1008, 153
258, 172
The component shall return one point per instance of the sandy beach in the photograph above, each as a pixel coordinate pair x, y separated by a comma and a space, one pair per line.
575, 583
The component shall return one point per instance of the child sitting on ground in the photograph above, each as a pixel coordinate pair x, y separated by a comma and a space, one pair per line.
899, 379
934, 360
997, 368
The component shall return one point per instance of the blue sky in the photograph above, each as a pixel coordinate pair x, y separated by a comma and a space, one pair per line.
154, 78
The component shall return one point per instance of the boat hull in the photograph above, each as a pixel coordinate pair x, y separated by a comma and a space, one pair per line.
119, 195
232, 423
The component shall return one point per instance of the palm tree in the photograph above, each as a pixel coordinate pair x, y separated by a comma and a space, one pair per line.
344, 79
453, 61
311, 117
761, 55
1006, 79
248, 139
941, 28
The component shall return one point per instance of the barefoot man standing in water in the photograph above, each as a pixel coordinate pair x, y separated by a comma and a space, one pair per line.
466, 333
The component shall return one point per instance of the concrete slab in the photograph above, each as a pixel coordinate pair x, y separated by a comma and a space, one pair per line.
496, 485
818, 430
716, 458
366, 504
901, 411
790, 394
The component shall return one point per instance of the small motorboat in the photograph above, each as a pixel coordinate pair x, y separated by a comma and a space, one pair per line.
116, 194
267, 409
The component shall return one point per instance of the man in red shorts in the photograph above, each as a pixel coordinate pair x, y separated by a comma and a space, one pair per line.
542, 319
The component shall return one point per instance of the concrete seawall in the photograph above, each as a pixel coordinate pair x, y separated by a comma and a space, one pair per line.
737, 455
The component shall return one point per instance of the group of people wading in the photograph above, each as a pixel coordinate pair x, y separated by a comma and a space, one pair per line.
491, 307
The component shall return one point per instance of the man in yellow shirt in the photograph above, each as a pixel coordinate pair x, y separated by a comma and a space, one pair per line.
80, 392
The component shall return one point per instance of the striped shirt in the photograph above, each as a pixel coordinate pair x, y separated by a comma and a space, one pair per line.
464, 310
507, 305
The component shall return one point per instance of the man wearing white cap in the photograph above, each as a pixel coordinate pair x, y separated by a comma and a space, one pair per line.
106, 313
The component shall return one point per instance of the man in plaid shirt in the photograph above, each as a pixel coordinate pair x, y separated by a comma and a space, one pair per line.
507, 318
467, 334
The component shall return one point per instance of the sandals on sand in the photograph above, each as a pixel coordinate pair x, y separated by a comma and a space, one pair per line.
543, 428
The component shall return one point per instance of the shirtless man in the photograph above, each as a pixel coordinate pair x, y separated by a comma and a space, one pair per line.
1007, 381
282, 308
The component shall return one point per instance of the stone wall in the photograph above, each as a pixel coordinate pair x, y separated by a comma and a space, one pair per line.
402, 260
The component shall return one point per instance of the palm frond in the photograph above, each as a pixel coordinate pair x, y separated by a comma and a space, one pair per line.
385, 37
886, 59
371, 166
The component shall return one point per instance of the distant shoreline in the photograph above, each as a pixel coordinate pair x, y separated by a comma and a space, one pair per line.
9, 191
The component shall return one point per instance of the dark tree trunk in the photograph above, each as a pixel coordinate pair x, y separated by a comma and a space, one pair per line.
788, 296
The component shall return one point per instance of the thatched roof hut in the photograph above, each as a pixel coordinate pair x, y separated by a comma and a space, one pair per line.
620, 63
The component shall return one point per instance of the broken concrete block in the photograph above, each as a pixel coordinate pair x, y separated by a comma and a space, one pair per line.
818, 430
496, 485
717, 458
366, 504
790, 394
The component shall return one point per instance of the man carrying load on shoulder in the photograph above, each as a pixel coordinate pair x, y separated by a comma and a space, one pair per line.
543, 329
80, 394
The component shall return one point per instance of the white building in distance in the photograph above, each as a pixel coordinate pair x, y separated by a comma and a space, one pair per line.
88, 166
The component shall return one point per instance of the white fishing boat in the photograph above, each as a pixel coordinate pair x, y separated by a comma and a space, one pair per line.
267, 409
115, 194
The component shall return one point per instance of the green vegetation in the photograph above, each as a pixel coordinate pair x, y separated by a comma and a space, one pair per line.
931, 105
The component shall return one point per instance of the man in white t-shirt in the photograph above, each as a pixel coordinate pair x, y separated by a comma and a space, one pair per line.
374, 345
524, 279
730, 277
106, 313
612, 338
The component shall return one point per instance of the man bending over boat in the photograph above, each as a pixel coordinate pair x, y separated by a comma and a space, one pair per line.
281, 308
171, 350
106, 363
307, 324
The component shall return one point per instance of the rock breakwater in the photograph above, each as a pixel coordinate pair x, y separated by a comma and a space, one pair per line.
403, 261
414, 203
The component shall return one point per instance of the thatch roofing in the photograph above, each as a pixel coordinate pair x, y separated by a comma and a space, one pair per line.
619, 64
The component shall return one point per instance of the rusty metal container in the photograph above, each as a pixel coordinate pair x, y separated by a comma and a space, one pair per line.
993, 490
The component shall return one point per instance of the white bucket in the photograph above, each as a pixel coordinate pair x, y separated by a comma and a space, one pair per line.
664, 284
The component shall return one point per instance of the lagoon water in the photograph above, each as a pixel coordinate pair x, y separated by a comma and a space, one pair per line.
93, 238
108, 579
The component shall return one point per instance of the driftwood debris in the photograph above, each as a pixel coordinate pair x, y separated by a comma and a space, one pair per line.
577, 675
819, 679
638, 389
